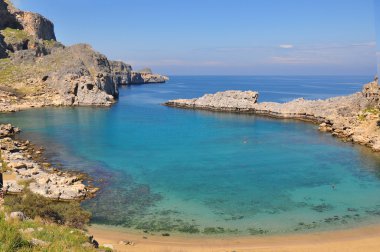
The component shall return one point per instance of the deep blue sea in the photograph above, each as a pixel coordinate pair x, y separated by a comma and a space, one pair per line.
171, 170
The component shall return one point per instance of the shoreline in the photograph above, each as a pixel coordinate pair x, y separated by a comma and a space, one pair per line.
355, 239
25, 167
354, 118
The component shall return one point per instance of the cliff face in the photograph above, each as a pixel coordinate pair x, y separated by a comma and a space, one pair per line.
32, 23
121, 72
124, 75
36, 70
371, 92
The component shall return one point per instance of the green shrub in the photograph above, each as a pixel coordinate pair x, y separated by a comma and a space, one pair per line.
33, 205
10, 237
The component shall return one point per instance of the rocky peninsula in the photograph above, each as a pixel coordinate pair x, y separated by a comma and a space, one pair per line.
353, 118
36, 70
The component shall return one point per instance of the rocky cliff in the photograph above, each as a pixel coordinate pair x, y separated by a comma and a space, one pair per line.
36, 70
354, 117
123, 74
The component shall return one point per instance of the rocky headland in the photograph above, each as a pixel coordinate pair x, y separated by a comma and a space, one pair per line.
353, 118
36, 70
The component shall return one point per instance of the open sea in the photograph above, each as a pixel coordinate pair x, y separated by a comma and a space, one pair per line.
171, 170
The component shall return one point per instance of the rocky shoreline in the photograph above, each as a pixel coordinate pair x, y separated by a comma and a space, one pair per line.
353, 118
26, 170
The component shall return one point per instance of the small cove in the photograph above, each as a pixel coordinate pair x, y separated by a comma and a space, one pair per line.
171, 170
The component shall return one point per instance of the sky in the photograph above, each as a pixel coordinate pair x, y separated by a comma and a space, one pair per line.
220, 37
377, 26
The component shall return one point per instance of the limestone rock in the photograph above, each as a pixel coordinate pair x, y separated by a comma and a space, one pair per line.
141, 78
17, 216
7, 130
226, 101
34, 24
121, 72
39, 243
372, 92
11, 186
45, 180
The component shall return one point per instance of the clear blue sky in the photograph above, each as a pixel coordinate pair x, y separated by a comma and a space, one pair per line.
377, 23
222, 37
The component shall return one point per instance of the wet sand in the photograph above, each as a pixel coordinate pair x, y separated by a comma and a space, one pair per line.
366, 239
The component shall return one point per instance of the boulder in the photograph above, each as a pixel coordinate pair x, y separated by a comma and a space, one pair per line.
17, 216
11, 186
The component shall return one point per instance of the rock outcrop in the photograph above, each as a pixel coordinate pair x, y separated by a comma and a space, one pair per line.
146, 78
21, 160
372, 92
231, 100
354, 117
32, 23
36, 70
35, 25
123, 74
7, 130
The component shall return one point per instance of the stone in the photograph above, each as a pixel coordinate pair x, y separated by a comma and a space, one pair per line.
11, 186
7, 130
50, 183
39, 243
20, 216
27, 230
110, 246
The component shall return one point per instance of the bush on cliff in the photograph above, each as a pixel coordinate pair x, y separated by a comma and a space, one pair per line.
19, 236
33, 205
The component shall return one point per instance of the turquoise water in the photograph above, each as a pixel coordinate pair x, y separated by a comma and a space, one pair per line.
171, 170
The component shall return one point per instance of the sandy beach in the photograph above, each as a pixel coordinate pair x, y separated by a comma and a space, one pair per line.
359, 239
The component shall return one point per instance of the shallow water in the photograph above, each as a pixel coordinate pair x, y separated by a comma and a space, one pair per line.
171, 170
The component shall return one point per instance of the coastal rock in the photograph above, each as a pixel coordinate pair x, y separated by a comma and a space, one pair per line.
372, 92
231, 100
121, 72
7, 130
11, 186
46, 180
83, 77
354, 117
141, 78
